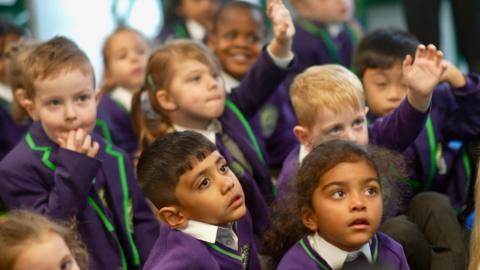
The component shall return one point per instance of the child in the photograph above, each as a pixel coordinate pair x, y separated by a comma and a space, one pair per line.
201, 201
32, 241
62, 170
125, 56
434, 165
329, 103
190, 19
183, 92
11, 131
437, 164
335, 212
326, 32
237, 38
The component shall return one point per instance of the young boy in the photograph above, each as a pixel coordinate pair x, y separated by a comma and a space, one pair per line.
201, 201
436, 163
62, 170
238, 35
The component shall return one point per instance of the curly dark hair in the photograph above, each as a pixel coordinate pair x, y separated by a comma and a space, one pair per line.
286, 226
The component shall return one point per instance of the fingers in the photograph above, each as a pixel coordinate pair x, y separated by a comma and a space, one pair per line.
407, 61
420, 52
81, 142
93, 150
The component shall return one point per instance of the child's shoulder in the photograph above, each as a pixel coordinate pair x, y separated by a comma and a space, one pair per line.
300, 256
389, 249
177, 250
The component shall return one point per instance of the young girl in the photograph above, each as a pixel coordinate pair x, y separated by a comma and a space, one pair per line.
335, 209
183, 92
32, 241
125, 56
187, 18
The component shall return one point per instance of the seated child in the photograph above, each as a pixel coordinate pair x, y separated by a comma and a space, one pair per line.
32, 241
237, 38
190, 19
454, 116
335, 211
202, 202
11, 131
326, 32
437, 164
125, 57
329, 104
183, 91
62, 170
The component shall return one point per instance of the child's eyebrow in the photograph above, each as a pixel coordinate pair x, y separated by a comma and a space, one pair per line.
342, 183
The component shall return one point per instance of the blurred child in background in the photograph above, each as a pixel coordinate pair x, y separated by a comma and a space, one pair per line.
32, 241
190, 19
239, 32
125, 56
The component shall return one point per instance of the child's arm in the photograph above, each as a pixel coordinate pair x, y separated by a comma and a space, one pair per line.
422, 75
263, 78
283, 29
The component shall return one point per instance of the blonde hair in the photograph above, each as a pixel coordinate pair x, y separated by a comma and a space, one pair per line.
16, 75
331, 87
161, 70
49, 59
475, 236
22, 227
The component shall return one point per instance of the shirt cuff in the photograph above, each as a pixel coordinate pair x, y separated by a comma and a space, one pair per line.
281, 62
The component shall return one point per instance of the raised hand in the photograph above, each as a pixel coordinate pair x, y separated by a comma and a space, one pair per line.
283, 28
81, 142
423, 74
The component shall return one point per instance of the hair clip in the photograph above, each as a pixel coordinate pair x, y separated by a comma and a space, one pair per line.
146, 106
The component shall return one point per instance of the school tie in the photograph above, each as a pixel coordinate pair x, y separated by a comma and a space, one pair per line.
356, 261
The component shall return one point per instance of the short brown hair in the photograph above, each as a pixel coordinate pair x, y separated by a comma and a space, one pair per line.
23, 227
327, 86
51, 58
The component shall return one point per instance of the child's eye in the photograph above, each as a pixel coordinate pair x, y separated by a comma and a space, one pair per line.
381, 84
371, 191
224, 168
54, 102
358, 122
252, 39
205, 183
67, 264
83, 98
338, 194
195, 78
230, 35
335, 130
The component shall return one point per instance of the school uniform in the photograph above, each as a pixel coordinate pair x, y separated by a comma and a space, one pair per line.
438, 159
395, 131
100, 193
238, 144
182, 29
196, 249
272, 124
382, 250
11, 132
114, 113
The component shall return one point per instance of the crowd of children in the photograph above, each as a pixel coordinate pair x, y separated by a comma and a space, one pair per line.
236, 142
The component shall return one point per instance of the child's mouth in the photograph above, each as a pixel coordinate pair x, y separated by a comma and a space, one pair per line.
360, 223
235, 202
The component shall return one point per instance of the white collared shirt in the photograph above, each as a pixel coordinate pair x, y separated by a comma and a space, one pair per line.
229, 82
196, 30
123, 96
334, 256
214, 127
6, 92
208, 232
302, 153
334, 29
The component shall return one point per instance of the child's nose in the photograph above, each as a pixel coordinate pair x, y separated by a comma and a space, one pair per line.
227, 185
351, 135
70, 113
357, 202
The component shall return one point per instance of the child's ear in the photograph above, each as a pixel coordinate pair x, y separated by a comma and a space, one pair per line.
367, 109
27, 103
165, 100
308, 219
172, 216
301, 133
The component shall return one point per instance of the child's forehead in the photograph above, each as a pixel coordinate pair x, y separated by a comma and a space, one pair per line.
200, 165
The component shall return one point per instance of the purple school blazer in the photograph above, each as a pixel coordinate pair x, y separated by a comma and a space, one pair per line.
10, 132
100, 193
177, 250
385, 251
